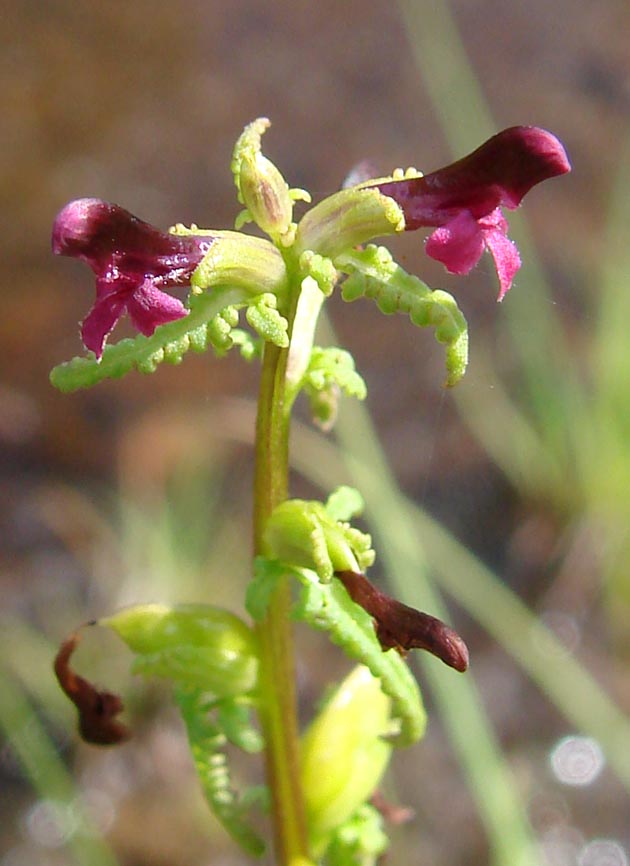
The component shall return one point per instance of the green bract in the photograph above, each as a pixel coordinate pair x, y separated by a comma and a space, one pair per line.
373, 273
197, 645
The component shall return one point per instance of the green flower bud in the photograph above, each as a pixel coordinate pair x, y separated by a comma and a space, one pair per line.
344, 754
261, 187
241, 261
347, 219
192, 644
303, 534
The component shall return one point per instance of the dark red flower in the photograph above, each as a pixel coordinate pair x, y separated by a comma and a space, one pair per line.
133, 263
464, 199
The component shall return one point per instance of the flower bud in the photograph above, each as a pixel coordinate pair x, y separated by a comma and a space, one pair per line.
193, 644
261, 187
303, 534
344, 754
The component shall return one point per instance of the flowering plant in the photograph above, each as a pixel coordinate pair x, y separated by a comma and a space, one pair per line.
309, 561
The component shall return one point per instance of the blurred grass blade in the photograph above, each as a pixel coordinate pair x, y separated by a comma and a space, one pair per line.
45, 770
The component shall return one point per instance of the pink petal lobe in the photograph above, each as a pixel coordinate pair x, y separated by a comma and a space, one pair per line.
506, 258
458, 245
149, 307
100, 322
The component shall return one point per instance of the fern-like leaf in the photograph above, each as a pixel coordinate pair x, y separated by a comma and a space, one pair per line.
373, 273
168, 344
207, 744
329, 608
263, 316
331, 367
359, 841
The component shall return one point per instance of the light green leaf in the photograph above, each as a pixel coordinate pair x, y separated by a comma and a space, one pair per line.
373, 273
207, 744
268, 574
328, 607
168, 344
233, 715
263, 316
359, 841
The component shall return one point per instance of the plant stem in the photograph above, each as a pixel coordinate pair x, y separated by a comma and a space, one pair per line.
277, 706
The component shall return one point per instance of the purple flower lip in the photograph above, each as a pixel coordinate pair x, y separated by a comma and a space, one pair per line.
463, 200
132, 261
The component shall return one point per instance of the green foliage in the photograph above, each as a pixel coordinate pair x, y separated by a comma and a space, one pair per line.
359, 841
321, 269
194, 645
330, 371
220, 330
234, 720
210, 322
208, 738
373, 273
329, 608
302, 534
168, 344
263, 316
332, 366
267, 576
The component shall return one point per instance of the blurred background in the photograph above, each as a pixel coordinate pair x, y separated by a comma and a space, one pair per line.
504, 504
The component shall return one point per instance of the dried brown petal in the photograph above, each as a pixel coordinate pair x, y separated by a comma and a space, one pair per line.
404, 628
97, 709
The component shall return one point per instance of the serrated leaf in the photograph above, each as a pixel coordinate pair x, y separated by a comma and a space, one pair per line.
169, 342
373, 273
332, 366
328, 607
220, 330
207, 743
327, 372
359, 841
233, 716
265, 319
248, 346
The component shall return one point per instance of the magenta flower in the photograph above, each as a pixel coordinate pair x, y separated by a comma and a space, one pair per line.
133, 262
464, 199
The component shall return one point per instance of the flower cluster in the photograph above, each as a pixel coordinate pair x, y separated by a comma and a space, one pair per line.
134, 262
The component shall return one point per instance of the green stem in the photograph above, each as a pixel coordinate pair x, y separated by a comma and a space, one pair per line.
278, 713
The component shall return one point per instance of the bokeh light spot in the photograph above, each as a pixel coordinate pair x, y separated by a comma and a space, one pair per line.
603, 852
577, 760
